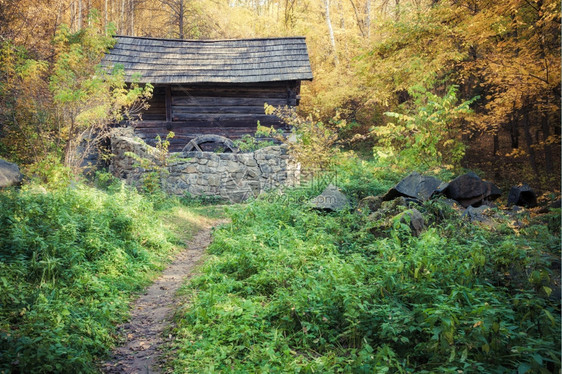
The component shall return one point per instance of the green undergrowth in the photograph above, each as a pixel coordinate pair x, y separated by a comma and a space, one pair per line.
70, 260
290, 289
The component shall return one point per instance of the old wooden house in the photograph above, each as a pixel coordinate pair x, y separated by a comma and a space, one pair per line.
216, 87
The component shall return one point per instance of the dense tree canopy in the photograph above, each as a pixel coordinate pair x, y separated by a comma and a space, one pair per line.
368, 57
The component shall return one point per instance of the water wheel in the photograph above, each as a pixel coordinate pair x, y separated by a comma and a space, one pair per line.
210, 143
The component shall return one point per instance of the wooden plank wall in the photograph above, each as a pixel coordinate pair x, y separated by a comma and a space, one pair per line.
157, 109
227, 110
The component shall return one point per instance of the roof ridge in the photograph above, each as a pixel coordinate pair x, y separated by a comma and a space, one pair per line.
211, 40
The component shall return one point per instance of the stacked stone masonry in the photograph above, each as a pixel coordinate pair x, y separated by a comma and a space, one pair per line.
231, 176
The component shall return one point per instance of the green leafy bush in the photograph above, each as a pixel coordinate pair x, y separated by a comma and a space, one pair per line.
69, 261
429, 135
262, 138
289, 289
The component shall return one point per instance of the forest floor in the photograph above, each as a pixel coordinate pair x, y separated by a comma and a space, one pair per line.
152, 312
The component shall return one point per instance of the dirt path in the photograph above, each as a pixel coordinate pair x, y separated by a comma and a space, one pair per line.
152, 312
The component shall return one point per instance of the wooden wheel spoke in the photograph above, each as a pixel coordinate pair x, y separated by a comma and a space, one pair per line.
195, 144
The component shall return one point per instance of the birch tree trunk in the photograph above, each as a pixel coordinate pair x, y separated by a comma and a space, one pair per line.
79, 14
331, 31
72, 16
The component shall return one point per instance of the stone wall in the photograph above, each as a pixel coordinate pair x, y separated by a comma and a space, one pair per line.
231, 176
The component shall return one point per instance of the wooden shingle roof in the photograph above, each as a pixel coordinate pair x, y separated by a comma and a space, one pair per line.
165, 61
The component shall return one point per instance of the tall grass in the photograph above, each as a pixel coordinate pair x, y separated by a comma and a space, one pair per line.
70, 259
290, 289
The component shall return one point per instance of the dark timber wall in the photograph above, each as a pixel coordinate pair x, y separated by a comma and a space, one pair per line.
230, 110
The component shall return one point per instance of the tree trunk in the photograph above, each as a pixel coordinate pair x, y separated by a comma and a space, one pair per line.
514, 132
59, 18
529, 141
122, 18
68, 146
368, 18
547, 148
496, 143
331, 31
340, 12
72, 16
79, 14
360, 22
132, 16
105, 18
111, 9
397, 10
180, 15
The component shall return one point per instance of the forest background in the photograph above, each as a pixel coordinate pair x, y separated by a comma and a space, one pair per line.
414, 58
434, 86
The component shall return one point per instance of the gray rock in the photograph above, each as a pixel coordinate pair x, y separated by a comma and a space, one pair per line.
9, 174
415, 186
478, 214
193, 154
227, 156
190, 169
369, 204
469, 190
414, 219
452, 203
522, 195
517, 209
331, 199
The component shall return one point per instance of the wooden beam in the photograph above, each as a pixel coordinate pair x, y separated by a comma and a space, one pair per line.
223, 117
226, 101
219, 109
168, 104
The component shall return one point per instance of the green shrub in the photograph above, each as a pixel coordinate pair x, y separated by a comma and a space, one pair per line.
69, 260
427, 135
262, 138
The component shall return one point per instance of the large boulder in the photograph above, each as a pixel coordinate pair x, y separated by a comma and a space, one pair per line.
9, 174
522, 195
469, 190
415, 186
331, 199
